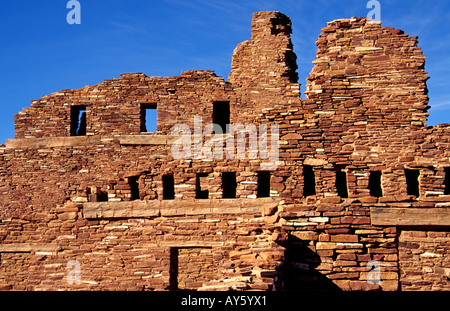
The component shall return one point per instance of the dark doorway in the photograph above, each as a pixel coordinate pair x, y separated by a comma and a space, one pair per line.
173, 269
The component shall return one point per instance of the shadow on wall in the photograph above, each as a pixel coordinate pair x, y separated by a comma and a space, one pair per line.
301, 264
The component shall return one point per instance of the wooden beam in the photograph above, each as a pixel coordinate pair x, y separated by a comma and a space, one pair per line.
147, 139
410, 216
166, 208
50, 142
50, 248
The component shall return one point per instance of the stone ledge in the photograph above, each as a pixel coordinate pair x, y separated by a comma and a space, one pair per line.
190, 244
147, 139
414, 217
29, 247
72, 141
156, 208
48, 142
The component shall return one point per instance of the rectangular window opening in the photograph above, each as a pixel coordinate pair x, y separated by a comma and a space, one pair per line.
375, 184
341, 183
309, 181
133, 182
447, 181
173, 269
263, 184
78, 121
229, 185
168, 187
199, 193
148, 118
221, 115
412, 182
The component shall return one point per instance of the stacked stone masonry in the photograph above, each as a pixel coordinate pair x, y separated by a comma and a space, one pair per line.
360, 178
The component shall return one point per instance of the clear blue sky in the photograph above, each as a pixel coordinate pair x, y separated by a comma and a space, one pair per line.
40, 53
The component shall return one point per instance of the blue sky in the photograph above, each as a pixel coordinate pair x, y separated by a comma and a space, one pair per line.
41, 53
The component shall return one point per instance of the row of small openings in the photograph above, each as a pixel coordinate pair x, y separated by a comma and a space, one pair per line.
167, 182
148, 118
229, 186
221, 116
78, 119
411, 175
340, 182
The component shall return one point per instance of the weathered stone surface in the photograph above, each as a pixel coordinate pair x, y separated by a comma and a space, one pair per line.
411, 217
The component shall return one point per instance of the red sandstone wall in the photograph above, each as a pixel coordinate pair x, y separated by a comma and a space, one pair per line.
113, 106
366, 110
424, 260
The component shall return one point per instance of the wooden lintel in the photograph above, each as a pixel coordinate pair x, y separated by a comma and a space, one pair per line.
413, 217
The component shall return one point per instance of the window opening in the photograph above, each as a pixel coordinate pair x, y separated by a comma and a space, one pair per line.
375, 184
173, 269
341, 183
199, 193
133, 182
148, 118
168, 187
78, 121
221, 115
412, 182
263, 184
309, 181
229, 185
447, 180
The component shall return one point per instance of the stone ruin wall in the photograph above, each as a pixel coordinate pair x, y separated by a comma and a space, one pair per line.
69, 197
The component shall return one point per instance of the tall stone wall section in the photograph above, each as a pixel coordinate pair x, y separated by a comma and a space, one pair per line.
99, 198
